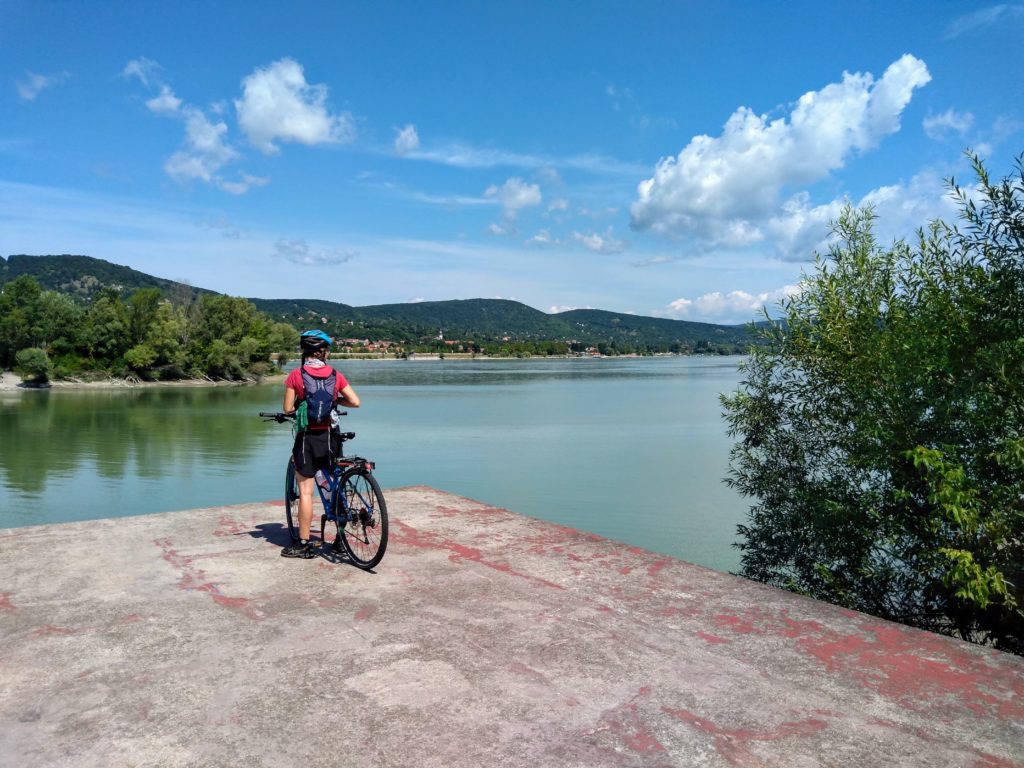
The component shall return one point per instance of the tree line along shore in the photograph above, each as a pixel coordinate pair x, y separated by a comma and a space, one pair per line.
165, 333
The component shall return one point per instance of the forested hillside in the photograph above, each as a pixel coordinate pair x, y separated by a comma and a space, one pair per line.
489, 326
511, 326
85, 276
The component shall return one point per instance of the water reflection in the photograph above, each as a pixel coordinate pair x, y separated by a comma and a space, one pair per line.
120, 431
633, 449
499, 372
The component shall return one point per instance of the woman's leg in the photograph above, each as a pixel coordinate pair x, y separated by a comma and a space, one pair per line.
305, 505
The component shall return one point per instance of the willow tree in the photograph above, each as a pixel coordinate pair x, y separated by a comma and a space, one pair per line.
880, 432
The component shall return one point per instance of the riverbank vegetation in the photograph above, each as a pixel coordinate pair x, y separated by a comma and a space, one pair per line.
881, 427
490, 327
45, 334
89, 331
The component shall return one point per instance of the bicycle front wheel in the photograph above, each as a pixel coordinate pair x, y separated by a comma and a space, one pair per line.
365, 535
291, 501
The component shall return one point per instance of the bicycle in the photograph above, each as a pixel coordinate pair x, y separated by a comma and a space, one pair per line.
351, 498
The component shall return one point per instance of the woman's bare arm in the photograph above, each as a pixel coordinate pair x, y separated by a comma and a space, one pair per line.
349, 398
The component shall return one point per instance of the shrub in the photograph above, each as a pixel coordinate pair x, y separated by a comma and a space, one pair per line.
881, 430
33, 365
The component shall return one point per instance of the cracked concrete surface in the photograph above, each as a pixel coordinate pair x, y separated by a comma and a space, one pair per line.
484, 638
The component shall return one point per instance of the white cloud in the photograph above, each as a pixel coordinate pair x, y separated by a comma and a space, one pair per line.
223, 225
903, 208
543, 237
654, 261
497, 230
146, 70
447, 201
605, 243
1002, 128
246, 182
615, 95
277, 104
623, 97
32, 84
725, 189
514, 195
205, 151
461, 155
985, 18
559, 204
799, 229
599, 213
407, 140
166, 103
549, 175
939, 127
734, 306
299, 252
554, 310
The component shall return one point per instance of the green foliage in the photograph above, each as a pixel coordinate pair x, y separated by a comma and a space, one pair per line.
283, 340
221, 361
881, 429
489, 324
106, 333
33, 365
142, 334
166, 336
60, 322
142, 308
140, 357
229, 319
19, 317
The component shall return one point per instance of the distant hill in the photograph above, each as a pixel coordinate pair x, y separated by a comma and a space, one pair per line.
479, 320
650, 331
488, 319
305, 310
463, 317
83, 276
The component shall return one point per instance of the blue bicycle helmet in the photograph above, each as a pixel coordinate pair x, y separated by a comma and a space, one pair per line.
314, 340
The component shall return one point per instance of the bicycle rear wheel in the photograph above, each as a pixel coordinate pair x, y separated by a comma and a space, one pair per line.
291, 501
365, 537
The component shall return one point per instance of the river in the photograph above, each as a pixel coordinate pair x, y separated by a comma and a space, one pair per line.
630, 448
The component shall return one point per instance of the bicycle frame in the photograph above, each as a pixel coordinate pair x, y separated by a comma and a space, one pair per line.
331, 498
351, 499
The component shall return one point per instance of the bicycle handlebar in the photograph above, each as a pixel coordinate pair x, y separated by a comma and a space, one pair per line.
278, 417
281, 418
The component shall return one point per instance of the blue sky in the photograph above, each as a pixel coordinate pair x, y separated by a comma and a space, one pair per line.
675, 159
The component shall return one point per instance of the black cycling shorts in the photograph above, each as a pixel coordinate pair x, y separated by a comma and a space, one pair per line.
315, 450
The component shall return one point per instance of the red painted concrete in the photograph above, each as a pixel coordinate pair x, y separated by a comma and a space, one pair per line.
484, 638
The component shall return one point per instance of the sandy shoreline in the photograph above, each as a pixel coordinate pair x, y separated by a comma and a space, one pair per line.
12, 382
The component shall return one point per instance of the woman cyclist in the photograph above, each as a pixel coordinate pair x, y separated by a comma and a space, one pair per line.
317, 445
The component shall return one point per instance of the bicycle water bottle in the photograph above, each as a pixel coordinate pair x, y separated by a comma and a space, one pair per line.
323, 480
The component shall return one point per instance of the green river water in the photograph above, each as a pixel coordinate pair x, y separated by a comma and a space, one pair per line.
634, 449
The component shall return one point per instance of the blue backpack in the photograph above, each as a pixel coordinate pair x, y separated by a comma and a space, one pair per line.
319, 398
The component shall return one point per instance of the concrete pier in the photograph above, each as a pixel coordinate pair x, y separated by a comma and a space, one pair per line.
485, 638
